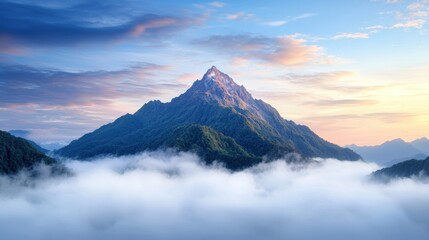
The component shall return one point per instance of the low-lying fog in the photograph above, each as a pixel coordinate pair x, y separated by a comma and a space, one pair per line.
171, 196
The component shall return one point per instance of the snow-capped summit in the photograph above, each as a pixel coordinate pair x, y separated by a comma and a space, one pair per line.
214, 75
212, 72
218, 86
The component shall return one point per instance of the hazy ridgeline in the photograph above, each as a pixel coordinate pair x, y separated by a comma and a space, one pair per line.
164, 195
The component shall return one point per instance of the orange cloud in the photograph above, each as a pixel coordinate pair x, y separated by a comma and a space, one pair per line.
284, 51
155, 23
291, 51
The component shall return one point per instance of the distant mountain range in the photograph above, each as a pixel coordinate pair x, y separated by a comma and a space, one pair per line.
44, 147
395, 151
217, 119
16, 133
18, 154
422, 144
418, 169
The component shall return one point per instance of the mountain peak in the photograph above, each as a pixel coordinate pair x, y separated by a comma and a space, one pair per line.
218, 86
422, 139
214, 75
397, 140
217, 119
213, 71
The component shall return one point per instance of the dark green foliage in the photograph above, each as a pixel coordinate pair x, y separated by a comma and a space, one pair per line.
17, 154
406, 169
22, 134
236, 127
36, 146
211, 146
147, 130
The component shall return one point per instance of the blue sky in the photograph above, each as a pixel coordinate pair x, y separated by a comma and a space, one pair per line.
354, 71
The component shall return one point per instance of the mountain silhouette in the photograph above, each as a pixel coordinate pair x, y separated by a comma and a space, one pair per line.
393, 151
217, 119
422, 144
18, 154
418, 169
22, 134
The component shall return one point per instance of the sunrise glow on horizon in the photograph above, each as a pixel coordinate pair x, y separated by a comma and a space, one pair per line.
355, 72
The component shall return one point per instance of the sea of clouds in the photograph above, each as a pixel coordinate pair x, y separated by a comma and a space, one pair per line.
165, 195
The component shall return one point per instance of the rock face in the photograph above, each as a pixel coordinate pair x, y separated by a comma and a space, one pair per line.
18, 154
418, 169
217, 119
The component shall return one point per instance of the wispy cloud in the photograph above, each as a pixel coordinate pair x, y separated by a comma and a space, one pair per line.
59, 105
217, 4
417, 23
285, 50
332, 103
351, 35
239, 16
414, 16
25, 25
388, 1
292, 51
384, 117
375, 27
279, 23
303, 16
347, 35
415, 5
393, 1
23, 85
318, 78
276, 23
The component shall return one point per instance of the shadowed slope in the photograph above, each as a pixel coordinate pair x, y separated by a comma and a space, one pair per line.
17, 154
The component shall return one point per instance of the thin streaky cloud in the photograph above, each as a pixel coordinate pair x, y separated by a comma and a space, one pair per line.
25, 85
418, 23
239, 16
351, 35
24, 25
217, 4
279, 23
341, 102
276, 23
375, 27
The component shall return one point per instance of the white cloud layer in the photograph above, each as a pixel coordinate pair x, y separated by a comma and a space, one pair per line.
167, 196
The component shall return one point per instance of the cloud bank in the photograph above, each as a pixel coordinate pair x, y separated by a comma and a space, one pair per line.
171, 196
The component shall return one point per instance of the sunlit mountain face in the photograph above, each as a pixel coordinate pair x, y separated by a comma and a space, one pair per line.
214, 119
355, 73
